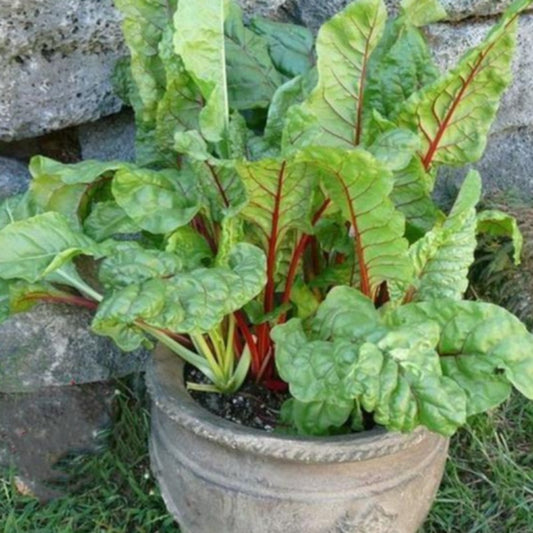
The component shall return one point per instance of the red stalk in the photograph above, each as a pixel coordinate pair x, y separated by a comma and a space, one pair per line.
248, 337
67, 299
297, 255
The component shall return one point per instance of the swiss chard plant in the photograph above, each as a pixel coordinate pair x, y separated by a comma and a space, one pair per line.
278, 224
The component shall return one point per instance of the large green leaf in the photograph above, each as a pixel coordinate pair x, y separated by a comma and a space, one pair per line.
349, 353
34, 246
443, 256
280, 200
344, 46
252, 77
158, 201
453, 114
180, 105
401, 65
192, 302
133, 264
482, 347
290, 46
107, 219
199, 40
360, 187
190, 247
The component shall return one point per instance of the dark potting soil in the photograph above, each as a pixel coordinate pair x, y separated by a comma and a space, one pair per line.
253, 405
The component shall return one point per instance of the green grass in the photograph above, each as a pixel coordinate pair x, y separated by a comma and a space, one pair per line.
488, 485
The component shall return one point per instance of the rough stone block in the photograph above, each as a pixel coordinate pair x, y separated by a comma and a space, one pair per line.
51, 345
41, 428
110, 138
56, 60
450, 41
14, 177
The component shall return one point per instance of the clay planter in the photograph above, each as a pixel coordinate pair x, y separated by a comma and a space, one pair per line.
219, 477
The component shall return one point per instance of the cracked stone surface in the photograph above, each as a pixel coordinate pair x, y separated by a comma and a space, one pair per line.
51, 346
42, 428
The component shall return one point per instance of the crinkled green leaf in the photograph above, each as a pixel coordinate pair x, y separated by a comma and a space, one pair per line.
315, 418
388, 366
199, 40
29, 247
360, 186
478, 342
107, 219
344, 46
191, 302
190, 247
135, 265
401, 65
453, 114
395, 148
158, 201
443, 256
290, 46
499, 224
252, 76
304, 299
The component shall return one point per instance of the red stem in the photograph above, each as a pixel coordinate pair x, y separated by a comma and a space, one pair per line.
297, 255
70, 299
241, 323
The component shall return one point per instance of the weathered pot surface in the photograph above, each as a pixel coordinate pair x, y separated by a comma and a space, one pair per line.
219, 477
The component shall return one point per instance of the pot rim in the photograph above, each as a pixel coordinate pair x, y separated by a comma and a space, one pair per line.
165, 383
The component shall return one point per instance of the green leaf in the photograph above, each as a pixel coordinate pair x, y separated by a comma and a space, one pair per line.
423, 12
290, 46
442, 257
344, 46
499, 224
453, 114
360, 186
395, 148
192, 302
315, 418
388, 366
29, 247
17, 207
252, 76
280, 196
158, 201
107, 219
190, 247
401, 65
179, 107
135, 265
199, 40
412, 196
304, 299
86, 172
478, 342
4, 300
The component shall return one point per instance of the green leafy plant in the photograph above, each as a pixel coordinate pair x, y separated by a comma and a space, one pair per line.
278, 224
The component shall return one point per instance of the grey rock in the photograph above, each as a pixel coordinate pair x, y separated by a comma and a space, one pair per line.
505, 166
56, 60
109, 138
14, 177
450, 42
314, 13
51, 345
41, 428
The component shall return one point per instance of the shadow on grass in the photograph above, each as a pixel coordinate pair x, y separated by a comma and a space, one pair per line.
488, 485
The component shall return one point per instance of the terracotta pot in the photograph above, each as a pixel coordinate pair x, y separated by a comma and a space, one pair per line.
219, 477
